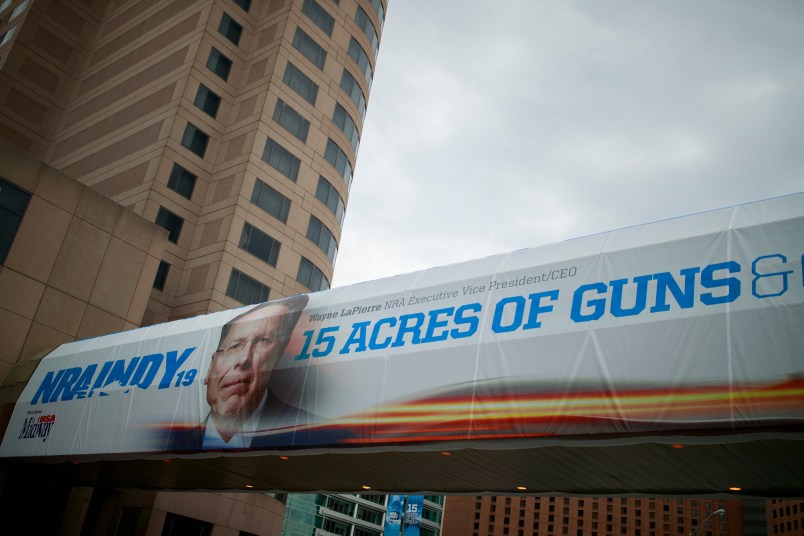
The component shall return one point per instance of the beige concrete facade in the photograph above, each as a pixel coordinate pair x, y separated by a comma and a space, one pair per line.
103, 90
80, 265
97, 98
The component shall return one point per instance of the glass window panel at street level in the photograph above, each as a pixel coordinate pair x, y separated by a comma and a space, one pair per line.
320, 234
271, 201
161, 275
327, 194
364, 23
352, 88
173, 223
230, 29
182, 181
309, 48
245, 289
335, 156
13, 204
345, 122
360, 57
319, 16
245, 5
311, 276
291, 120
207, 100
300, 83
219, 64
281, 159
259, 244
195, 140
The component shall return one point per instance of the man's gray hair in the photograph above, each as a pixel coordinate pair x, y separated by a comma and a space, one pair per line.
295, 305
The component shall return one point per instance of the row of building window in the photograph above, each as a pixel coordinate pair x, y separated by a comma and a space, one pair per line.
259, 244
194, 139
248, 290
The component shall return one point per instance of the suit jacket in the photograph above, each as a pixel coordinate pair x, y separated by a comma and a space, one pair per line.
275, 414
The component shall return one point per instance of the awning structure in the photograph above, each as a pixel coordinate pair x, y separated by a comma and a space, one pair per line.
663, 359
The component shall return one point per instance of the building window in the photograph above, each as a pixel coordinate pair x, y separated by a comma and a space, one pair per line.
18, 10
6, 37
271, 201
207, 100
335, 156
311, 277
245, 289
309, 48
230, 29
219, 64
327, 194
364, 23
300, 83
335, 527
360, 57
195, 140
281, 159
380, 10
366, 532
259, 244
370, 516
342, 507
182, 181
13, 203
173, 223
161, 275
292, 120
345, 122
243, 4
320, 235
319, 16
352, 88
176, 525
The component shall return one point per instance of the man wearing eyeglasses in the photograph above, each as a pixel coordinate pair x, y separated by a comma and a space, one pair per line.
243, 412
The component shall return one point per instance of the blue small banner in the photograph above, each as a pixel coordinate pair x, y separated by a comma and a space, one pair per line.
393, 518
413, 515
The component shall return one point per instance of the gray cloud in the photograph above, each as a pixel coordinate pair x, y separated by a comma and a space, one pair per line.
494, 126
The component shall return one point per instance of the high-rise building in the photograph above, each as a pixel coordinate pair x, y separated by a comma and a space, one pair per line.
232, 124
604, 516
350, 515
235, 125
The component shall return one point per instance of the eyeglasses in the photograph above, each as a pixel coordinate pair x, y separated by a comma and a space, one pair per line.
257, 343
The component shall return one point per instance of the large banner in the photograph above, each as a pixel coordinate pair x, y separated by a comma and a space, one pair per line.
674, 327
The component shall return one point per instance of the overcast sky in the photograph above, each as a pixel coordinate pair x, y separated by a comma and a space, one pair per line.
498, 125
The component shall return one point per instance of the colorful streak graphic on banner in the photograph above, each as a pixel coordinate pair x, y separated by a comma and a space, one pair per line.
678, 327
393, 517
413, 515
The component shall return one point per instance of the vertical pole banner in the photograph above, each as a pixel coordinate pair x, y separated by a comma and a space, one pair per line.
393, 518
413, 515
